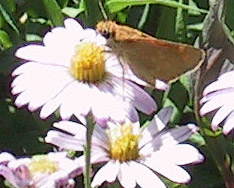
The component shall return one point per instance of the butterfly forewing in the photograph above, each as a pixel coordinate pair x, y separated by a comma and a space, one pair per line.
148, 57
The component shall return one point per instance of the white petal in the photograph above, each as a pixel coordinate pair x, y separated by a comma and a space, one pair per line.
64, 40
50, 107
126, 176
72, 25
145, 177
107, 173
40, 81
42, 54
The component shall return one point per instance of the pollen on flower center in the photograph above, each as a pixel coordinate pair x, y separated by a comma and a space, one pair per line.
88, 63
41, 164
123, 143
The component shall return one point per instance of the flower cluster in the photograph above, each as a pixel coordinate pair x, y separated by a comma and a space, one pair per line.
75, 72
218, 96
50, 170
132, 154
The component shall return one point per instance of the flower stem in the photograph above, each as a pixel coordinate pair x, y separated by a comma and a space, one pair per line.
90, 127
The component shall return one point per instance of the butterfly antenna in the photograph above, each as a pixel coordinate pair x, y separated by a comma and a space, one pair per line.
102, 10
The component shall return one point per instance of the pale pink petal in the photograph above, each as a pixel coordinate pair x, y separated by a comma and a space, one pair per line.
113, 65
180, 154
141, 100
64, 141
73, 100
221, 114
126, 176
51, 106
117, 109
117, 67
107, 173
99, 156
168, 170
227, 75
8, 174
72, 25
102, 112
156, 124
72, 128
145, 177
161, 85
90, 36
100, 137
174, 136
6, 157
229, 124
40, 81
214, 103
223, 82
63, 41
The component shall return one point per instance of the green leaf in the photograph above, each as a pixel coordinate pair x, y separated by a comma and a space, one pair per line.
181, 22
53, 11
5, 39
192, 12
118, 5
176, 114
7, 61
166, 28
144, 16
33, 37
8, 18
72, 12
195, 27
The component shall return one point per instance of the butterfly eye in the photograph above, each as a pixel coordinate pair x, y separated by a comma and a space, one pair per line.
106, 34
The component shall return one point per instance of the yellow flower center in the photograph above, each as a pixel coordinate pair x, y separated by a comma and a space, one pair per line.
88, 63
41, 164
123, 143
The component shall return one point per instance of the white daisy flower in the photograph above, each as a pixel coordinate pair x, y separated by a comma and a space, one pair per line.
75, 71
52, 170
218, 96
133, 155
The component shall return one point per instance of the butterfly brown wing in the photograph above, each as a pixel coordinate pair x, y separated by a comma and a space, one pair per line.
153, 58
150, 58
